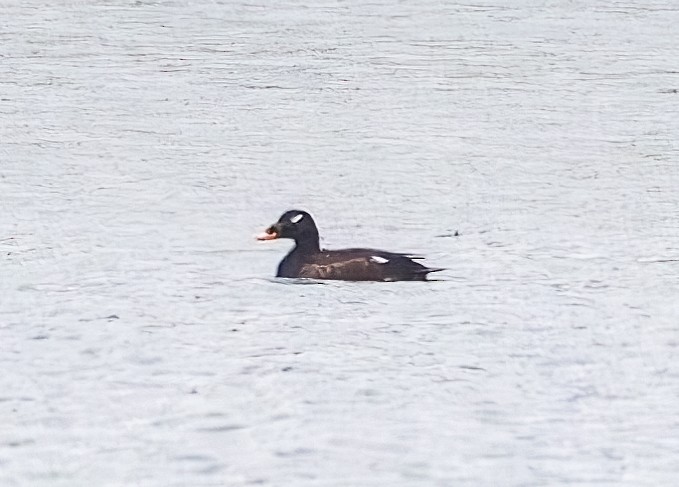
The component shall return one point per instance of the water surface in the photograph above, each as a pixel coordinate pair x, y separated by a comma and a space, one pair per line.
145, 341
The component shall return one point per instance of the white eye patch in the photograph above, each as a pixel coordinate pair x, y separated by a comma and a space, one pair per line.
379, 260
296, 218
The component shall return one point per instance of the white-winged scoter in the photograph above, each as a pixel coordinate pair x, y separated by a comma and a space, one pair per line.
307, 259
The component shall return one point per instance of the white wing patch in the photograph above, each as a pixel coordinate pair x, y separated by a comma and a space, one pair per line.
296, 218
379, 260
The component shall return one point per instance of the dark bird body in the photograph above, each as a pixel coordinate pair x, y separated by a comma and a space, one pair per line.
307, 260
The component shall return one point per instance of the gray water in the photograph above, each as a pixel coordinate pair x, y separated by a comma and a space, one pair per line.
144, 340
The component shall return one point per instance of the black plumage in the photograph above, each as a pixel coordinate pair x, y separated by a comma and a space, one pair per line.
308, 260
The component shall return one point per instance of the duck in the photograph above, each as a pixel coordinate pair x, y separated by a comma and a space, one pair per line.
308, 260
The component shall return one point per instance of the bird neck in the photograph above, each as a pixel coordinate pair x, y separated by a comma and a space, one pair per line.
307, 244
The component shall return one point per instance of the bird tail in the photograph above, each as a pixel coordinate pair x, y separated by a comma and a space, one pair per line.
429, 270
421, 274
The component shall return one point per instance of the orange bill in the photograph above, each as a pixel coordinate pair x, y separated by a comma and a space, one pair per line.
270, 234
